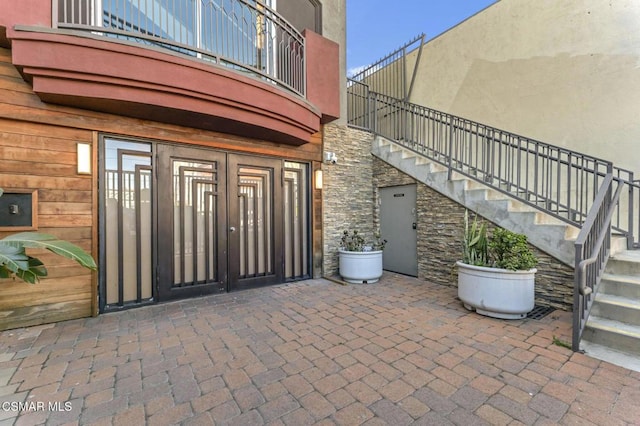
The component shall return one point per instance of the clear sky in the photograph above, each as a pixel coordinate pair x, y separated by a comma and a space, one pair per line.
376, 28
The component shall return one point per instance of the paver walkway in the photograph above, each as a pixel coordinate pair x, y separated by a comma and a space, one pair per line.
397, 352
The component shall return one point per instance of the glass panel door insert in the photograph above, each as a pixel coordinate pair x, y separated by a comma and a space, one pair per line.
127, 239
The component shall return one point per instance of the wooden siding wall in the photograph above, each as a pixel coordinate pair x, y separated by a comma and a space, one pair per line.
43, 156
38, 151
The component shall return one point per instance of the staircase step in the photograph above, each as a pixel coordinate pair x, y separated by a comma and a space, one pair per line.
618, 244
623, 359
548, 233
617, 308
620, 285
423, 160
519, 206
613, 334
625, 263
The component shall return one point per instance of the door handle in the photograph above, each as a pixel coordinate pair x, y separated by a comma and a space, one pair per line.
232, 229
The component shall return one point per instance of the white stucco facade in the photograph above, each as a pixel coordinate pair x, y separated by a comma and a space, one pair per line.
566, 72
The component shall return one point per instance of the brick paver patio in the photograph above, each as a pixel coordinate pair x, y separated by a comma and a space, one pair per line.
314, 352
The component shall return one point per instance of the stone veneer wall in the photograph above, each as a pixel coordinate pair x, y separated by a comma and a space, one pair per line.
347, 189
440, 229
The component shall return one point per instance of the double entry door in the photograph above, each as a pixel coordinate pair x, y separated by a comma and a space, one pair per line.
181, 222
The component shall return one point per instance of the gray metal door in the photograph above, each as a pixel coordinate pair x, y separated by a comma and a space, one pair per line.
398, 227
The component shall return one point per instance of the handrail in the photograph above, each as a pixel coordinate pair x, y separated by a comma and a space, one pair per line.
244, 35
594, 237
586, 230
557, 180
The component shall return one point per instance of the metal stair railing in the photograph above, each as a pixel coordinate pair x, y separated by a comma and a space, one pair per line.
561, 182
594, 241
574, 187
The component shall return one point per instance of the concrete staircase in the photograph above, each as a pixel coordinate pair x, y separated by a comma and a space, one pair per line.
543, 231
612, 331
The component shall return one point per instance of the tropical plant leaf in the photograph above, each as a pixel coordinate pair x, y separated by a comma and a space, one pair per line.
37, 267
34, 272
5, 272
474, 243
53, 244
13, 258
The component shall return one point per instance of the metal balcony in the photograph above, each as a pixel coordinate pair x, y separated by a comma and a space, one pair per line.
246, 36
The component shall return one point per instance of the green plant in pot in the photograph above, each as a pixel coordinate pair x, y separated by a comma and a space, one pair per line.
360, 262
475, 243
354, 241
509, 250
496, 276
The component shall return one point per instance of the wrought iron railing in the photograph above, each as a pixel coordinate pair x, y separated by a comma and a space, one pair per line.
593, 247
247, 36
358, 110
559, 181
626, 218
390, 75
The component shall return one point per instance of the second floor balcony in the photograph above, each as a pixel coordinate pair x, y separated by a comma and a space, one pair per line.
244, 35
233, 66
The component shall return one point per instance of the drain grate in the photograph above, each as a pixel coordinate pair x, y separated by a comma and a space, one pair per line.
540, 312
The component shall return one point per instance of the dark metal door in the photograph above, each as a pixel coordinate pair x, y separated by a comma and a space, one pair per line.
183, 221
192, 222
398, 227
255, 221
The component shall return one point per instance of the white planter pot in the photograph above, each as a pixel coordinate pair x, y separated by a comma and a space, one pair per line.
495, 292
360, 267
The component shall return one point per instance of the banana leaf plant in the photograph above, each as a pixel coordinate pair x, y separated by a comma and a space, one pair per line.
14, 261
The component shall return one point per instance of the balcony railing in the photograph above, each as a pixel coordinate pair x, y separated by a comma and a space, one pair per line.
244, 35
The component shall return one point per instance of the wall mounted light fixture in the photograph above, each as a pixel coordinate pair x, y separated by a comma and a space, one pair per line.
318, 179
84, 158
330, 157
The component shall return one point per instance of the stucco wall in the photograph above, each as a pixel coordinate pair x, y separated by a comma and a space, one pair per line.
334, 27
560, 71
439, 232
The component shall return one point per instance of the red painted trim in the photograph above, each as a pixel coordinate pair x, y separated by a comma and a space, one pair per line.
145, 83
323, 74
23, 12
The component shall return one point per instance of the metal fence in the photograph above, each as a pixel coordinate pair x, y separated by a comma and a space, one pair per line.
390, 75
244, 35
358, 110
